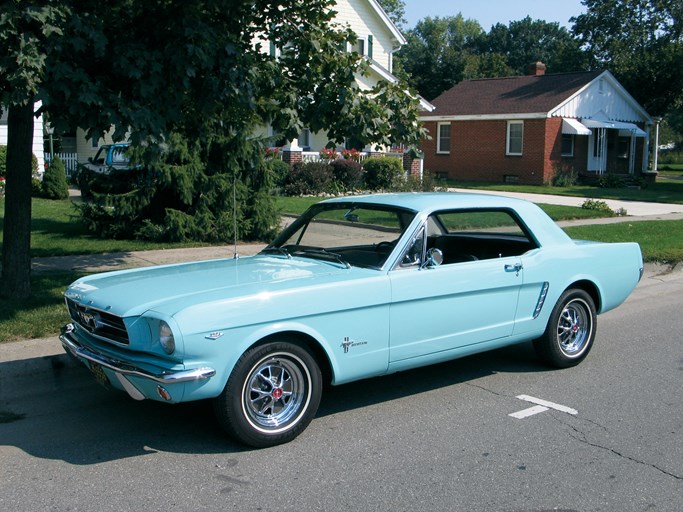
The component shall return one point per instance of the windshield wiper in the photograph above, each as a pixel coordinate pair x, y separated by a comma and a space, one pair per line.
271, 249
323, 255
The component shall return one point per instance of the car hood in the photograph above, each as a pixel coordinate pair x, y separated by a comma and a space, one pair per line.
170, 288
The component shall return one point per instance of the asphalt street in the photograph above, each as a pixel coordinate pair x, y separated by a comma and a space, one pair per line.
444, 438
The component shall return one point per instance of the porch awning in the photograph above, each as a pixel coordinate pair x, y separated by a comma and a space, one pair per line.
574, 127
625, 129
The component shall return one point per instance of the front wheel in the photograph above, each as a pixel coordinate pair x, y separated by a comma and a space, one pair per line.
272, 395
570, 332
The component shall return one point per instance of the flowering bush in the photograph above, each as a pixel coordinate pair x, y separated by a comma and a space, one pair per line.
272, 152
351, 154
328, 154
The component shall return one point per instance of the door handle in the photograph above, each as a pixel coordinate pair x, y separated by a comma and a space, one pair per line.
514, 268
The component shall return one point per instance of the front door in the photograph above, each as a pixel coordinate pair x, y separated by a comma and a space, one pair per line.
452, 306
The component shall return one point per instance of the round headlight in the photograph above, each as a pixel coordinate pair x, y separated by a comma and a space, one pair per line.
166, 337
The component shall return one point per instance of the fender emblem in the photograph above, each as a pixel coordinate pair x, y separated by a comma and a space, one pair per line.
348, 343
213, 335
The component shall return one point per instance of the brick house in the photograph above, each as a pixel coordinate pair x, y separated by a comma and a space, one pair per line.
525, 128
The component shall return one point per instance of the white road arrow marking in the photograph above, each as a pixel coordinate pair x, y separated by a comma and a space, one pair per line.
528, 412
541, 406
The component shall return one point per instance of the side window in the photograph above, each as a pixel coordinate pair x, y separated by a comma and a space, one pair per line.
472, 235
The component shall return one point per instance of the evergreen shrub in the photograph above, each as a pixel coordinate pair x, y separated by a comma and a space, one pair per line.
383, 173
54, 184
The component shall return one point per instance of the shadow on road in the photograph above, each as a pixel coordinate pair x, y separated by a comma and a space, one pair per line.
58, 412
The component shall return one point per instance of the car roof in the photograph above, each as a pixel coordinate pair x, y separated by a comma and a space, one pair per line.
432, 201
424, 203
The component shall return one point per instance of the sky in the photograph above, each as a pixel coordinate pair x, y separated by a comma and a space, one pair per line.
490, 12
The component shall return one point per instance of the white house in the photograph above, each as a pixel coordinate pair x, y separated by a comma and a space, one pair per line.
378, 39
37, 136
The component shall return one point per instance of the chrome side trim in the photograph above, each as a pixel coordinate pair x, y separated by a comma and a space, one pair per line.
541, 299
171, 377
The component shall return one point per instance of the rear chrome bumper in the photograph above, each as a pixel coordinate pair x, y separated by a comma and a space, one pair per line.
83, 353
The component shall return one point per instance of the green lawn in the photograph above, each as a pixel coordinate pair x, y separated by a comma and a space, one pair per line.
664, 191
660, 241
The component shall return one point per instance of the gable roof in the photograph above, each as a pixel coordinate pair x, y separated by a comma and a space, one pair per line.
511, 95
395, 32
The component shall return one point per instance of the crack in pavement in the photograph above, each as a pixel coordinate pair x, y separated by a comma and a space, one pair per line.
581, 437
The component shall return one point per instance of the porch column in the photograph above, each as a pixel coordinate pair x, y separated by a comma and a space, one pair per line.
413, 164
292, 153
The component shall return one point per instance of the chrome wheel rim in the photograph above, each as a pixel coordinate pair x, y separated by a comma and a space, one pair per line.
574, 328
276, 393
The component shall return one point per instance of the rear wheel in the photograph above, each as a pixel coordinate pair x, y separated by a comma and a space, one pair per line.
271, 396
570, 332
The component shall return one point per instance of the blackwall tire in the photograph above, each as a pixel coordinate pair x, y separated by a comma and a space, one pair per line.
271, 396
570, 332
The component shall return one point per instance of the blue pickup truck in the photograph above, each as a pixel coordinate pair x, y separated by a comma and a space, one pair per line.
111, 158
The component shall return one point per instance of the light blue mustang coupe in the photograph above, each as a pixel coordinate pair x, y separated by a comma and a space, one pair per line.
356, 287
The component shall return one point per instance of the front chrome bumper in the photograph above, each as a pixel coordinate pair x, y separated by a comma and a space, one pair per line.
83, 353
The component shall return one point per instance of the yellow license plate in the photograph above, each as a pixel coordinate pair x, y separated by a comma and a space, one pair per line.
99, 374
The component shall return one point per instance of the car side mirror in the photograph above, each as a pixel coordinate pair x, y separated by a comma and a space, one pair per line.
434, 258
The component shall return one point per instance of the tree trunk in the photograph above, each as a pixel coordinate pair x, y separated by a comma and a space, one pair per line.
16, 244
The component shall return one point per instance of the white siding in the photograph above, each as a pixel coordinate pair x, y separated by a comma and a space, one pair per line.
37, 136
605, 95
364, 21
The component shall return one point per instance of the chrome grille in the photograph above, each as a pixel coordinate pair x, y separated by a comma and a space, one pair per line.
97, 322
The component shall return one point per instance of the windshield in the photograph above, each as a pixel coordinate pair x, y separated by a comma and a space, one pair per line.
359, 235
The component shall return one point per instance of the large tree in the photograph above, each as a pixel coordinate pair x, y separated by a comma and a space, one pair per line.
525, 41
439, 53
395, 9
444, 51
641, 42
204, 70
26, 30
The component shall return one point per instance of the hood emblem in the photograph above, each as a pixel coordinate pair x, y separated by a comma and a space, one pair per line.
88, 320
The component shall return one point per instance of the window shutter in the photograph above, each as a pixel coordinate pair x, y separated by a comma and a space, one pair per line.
370, 46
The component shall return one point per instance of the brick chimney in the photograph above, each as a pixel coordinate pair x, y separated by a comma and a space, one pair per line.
537, 68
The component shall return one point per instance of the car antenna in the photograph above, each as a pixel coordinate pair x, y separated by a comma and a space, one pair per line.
235, 255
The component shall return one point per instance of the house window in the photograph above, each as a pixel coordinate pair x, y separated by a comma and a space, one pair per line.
443, 140
359, 46
623, 147
515, 138
567, 144
305, 139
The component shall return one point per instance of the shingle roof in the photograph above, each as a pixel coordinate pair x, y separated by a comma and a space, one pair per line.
510, 95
